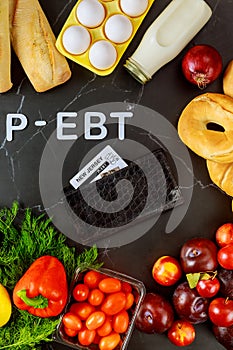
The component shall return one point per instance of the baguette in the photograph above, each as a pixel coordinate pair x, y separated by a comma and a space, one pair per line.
5, 47
34, 44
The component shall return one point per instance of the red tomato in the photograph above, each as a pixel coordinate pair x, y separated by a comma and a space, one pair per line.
181, 333
166, 270
83, 310
225, 257
109, 342
72, 321
92, 279
110, 285
86, 336
106, 328
114, 303
70, 332
80, 292
121, 322
129, 300
208, 288
95, 320
221, 312
95, 297
126, 287
136, 296
97, 339
224, 234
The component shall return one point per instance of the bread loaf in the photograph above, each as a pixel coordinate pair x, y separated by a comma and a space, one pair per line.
34, 43
5, 49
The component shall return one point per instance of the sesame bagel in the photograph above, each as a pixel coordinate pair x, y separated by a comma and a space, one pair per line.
193, 122
222, 175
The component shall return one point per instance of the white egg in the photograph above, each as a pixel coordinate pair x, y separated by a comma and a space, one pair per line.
118, 28
134, 8
90, 13
76, 40
102, 55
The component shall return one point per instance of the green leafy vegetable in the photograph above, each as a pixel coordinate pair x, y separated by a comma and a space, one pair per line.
193, 279
22, 240
26, 331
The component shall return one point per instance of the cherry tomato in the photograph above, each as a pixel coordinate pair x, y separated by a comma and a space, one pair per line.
225, 257
70, 332
136, 296
221, 312
181, 333
72, 321
129, 300
109, 342
83, 309
166, 270
114, 303
97, 339
224, 234
106, 328
126, 287
121, 322
208, 288
110, 285
92, 279
95, 297
86, 336
95, 320
80, 292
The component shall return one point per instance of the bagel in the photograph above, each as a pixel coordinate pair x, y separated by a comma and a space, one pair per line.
222, 175
192, 127
228, 80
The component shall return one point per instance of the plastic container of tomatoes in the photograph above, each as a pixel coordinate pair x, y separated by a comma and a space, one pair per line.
101, 310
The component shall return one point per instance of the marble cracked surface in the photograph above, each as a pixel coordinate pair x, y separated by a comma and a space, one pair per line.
20, 158
167, 94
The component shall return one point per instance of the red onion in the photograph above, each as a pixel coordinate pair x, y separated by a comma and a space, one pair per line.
201, 65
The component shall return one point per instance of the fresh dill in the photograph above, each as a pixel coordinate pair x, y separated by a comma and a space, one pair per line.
23, 240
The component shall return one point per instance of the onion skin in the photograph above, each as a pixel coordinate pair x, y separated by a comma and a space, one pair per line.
201, 65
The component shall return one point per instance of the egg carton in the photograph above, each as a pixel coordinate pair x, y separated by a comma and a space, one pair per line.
97, 32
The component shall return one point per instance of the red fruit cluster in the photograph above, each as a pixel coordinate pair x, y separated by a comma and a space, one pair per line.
206, 293
100, 311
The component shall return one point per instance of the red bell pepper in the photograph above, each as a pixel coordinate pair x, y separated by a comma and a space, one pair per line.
43, 289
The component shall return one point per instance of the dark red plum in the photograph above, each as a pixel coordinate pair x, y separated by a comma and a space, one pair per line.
198, 255
155, 315
226, 282
189, 305
224, 336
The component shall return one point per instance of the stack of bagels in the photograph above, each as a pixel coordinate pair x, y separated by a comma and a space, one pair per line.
213, 144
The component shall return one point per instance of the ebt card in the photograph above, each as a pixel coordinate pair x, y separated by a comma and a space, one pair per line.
104, 163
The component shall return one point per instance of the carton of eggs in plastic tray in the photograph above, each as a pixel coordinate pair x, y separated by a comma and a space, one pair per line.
97, 32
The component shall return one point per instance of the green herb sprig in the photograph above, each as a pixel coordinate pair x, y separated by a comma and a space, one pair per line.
26, 331
21, 242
